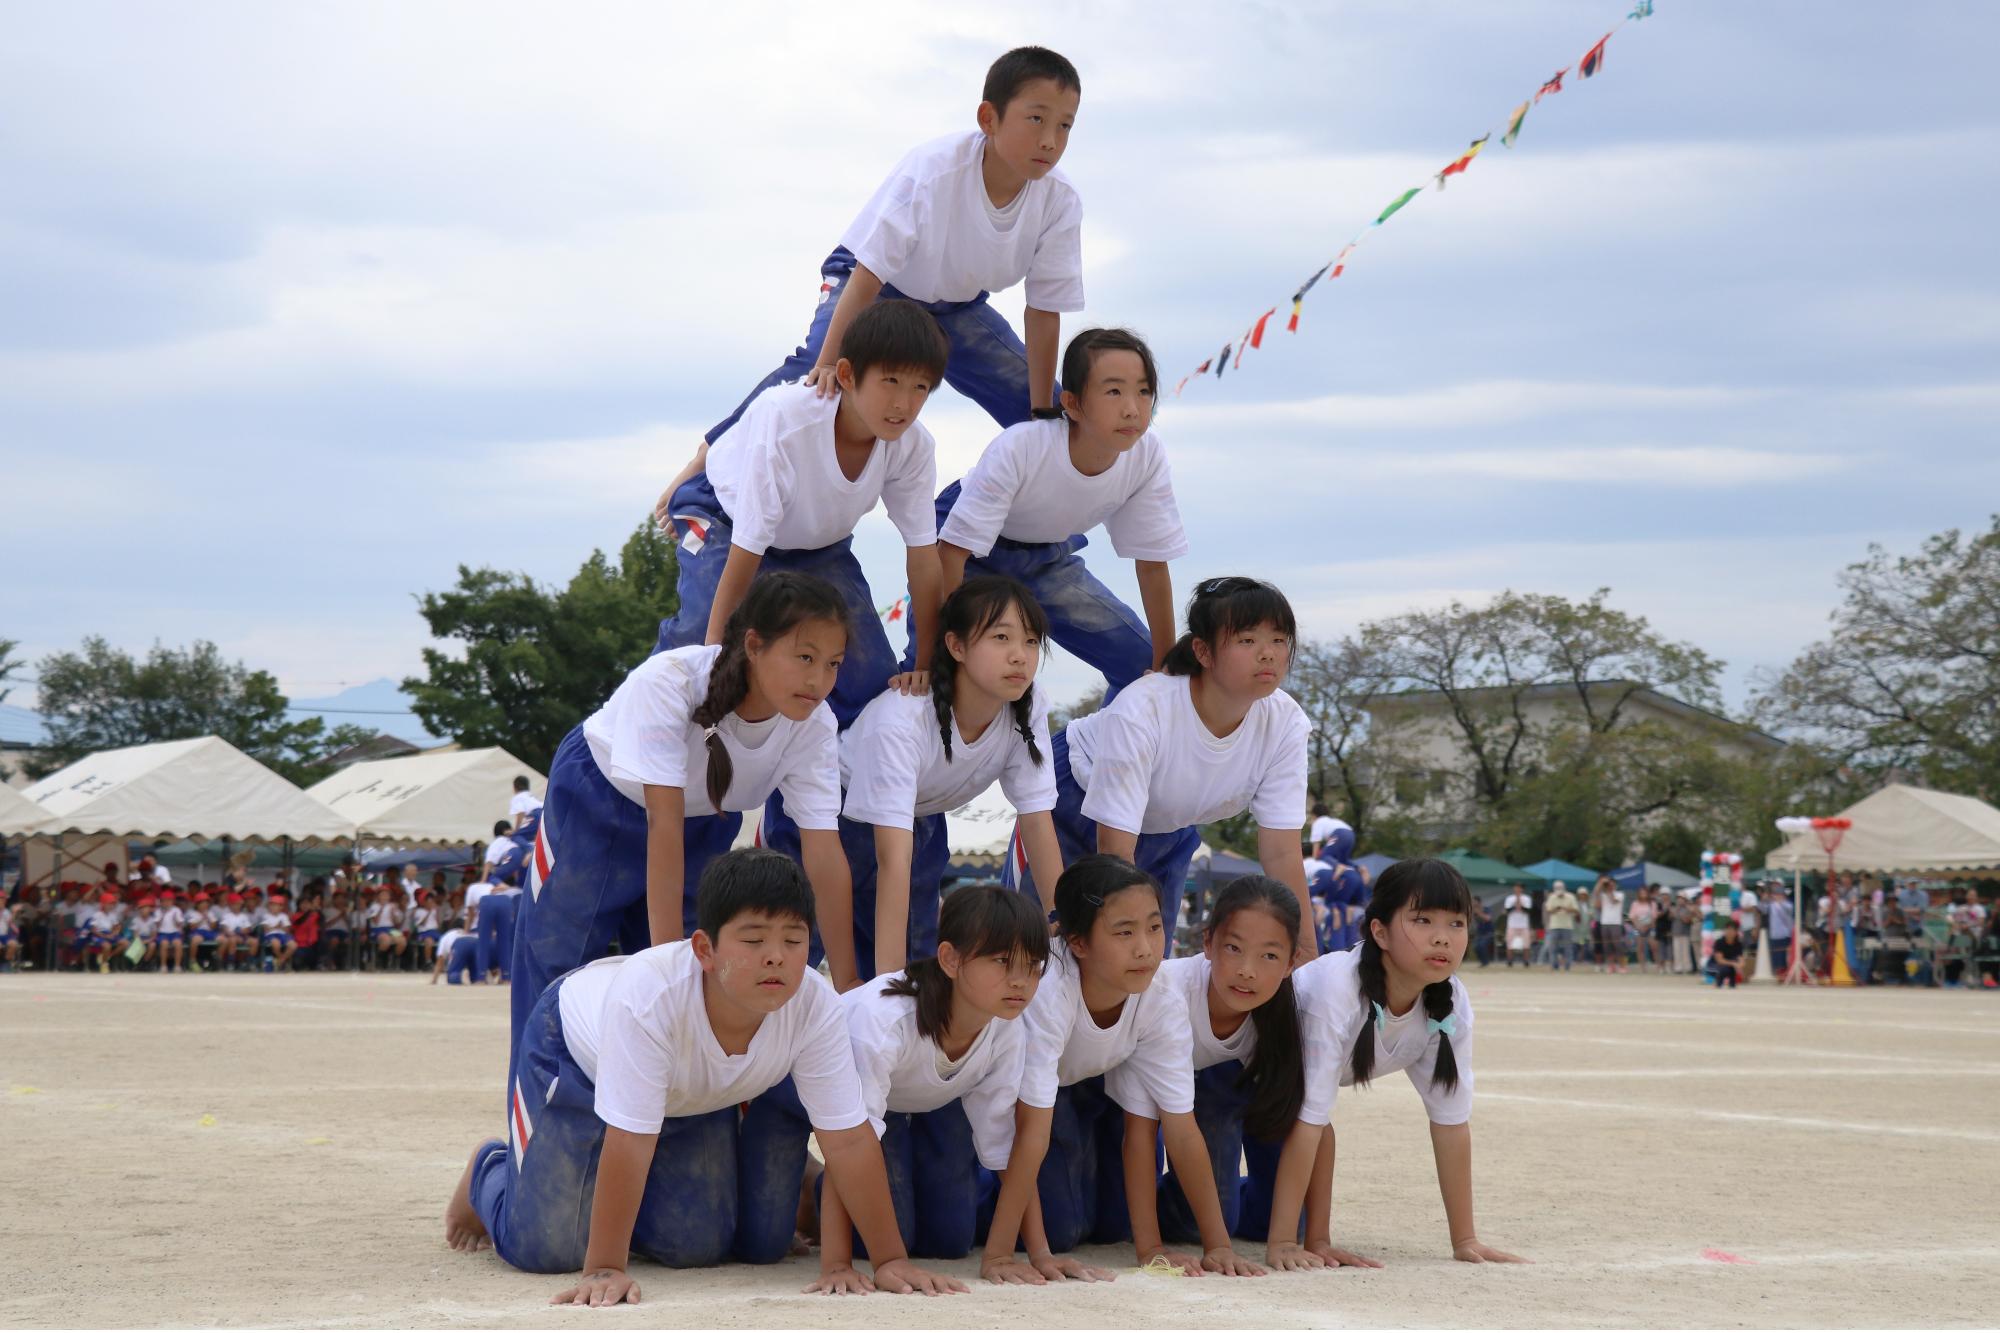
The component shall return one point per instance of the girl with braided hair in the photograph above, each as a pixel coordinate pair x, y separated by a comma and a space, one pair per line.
1393, 1003
651, 787
909, 759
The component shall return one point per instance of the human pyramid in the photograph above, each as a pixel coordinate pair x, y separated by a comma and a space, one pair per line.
997, 1068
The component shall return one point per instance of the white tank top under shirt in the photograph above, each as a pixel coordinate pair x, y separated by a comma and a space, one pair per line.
642, 737
893, 765
777, 475
901, 1070
1026, 489
1331, 1017
1147, 763
637, 1025
1186, 979
1150, 1042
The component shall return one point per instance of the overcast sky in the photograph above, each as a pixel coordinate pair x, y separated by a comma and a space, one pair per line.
301, 307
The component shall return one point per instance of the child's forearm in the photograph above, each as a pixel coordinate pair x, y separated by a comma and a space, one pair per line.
1017, 1212
737, 571
1142, 1198
892, 898
854, 1166
1294, 1175
1156, 597
666, 827
1044, 849
856, 295
836, 1230
952, 560
1451, 1145
1187, 1150
1044, 330
622, 1167
826, 869
1116, 841
1319, 1194
926, 575
697, 462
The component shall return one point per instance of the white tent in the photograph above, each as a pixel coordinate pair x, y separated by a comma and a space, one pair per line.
448, 798
1905, 830
981, 828
19, 816
201, 788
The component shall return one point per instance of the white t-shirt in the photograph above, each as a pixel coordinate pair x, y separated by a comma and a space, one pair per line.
426, 919
1325, 826
1026, 489
642, 736
6, 919
104, 922
1611, 910
272, 923
1187, 980
145, 925
385, 916
1517, 906
893, 766
1331, 1017
1150, 1042
474, 894
929, 230
898, 1068
172, 920
638, 1025
496, 851
449, 938
777, 476
1147, 764
524, 803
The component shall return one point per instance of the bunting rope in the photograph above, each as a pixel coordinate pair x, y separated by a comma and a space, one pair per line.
1232, 353
893, 612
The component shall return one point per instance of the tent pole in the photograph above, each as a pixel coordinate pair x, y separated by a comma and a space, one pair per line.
50, 899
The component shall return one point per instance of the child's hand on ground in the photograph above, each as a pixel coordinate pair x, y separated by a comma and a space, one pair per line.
911, 682
824, 379
1002, 1271
902, 1277
1340, 1258
1229, 1263
1060, 1267
1288, 1256
842, 1281
1470, 1251
605, 1286
1187, 1263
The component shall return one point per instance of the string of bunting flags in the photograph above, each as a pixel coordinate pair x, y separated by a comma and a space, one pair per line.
1232, 353
894, 611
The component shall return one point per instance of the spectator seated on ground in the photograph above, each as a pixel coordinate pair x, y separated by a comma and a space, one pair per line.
1725, 959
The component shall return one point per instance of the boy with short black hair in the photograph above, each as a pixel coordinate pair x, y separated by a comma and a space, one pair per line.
637, 1064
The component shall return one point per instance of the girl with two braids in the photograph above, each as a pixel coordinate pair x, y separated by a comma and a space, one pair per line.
650, 789
1393, 1003
908, 759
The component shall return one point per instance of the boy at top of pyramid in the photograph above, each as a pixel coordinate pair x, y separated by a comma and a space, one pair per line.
959, 218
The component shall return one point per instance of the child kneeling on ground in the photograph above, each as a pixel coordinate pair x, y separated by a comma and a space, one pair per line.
638, 1063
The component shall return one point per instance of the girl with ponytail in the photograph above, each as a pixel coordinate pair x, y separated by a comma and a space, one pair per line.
1209, 736
909, 759
1393, 1003
939, 1056
651, 787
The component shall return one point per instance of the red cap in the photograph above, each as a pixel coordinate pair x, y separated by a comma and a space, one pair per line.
232, 897
278, 895
107, 897
201, 897
149, 901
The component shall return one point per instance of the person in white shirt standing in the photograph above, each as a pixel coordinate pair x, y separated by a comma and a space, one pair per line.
1211, 736
524, 802
622, 1101
909, 760
784, 489
1519, 907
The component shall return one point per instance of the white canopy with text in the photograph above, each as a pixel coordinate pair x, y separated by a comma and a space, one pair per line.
202, 788
446, 798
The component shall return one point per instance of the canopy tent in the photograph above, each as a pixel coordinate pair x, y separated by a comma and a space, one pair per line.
200, 788
1554, 869
445, 798
1212, 866
20, 816
1908, 831
1651, 872
1375, 863
1483, 872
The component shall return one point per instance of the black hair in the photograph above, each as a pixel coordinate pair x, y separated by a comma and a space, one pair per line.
972, 607
1083, 888
1319, 808
1430, 885
1277, 1071
1021, 66
898, 335
751, 879
777, 603
1225, 606
977, 921
521, 782
1080, 357
501, 826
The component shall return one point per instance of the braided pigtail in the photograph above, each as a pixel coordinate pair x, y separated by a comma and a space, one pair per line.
944, 680
728, 683
1374, 995
966, 615
1437, 1007
1024, 722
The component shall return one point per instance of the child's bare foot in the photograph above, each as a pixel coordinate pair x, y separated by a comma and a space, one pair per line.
462, 1228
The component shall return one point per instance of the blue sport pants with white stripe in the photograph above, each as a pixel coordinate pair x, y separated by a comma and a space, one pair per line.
930, 857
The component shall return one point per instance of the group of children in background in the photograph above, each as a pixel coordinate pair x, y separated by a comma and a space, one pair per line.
998, 1068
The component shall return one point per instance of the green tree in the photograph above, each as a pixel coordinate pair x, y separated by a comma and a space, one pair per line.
102, 698
1909, 679
9, 664
532, 662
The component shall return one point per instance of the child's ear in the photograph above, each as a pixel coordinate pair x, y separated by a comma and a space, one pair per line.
843, 373
1070, 403
704, 950
1203, 653
956, 647
949, 960
987, 118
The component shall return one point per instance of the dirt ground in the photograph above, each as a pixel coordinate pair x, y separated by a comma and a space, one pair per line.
276, 1151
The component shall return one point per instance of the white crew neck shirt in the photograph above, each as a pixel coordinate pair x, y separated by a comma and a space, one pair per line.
1332, 1015
894, 769
1025, 488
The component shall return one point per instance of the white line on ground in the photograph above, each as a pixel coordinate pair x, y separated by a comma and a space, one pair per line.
1754, 1117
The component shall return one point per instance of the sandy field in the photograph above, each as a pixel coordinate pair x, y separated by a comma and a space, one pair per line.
276, 1151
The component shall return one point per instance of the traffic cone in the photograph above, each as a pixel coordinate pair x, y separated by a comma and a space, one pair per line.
1837, 941
1763, 970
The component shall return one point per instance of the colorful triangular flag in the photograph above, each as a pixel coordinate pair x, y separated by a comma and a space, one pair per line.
1642, 10
1257, 333
1514, 124
1554, 85
1222, 360
1401, 199
1464, 159
1593, 59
